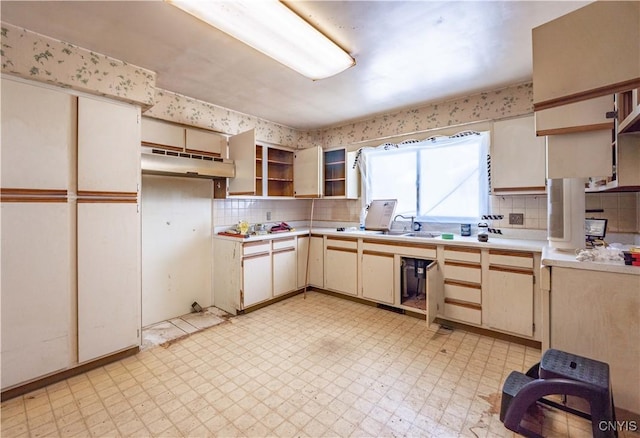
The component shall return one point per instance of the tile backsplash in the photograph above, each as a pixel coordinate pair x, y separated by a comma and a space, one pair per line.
533, 207
621, 209
228, 212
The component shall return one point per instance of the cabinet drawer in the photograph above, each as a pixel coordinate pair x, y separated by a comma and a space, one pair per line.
511, 258
463, 313
342, 243
467, 272
417, 250
462, 292
287, 243
256, 247
462, 254
379, 247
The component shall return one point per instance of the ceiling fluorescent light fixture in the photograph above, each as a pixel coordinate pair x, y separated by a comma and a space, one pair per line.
275, 30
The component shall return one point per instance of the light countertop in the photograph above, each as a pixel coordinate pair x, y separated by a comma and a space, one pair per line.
471, 241
550, 256
553, 257
494, 241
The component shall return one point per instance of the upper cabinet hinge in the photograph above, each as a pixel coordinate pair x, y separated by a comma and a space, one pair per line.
611, 114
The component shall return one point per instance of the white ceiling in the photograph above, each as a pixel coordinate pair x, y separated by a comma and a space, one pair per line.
408, 53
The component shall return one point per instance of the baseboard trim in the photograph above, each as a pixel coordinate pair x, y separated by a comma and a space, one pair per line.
444, 322
490, 333
270, 302
66, 374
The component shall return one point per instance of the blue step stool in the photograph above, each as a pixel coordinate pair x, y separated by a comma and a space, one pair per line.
560, 373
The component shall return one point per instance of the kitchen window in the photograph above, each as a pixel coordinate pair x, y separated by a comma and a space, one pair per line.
440, 179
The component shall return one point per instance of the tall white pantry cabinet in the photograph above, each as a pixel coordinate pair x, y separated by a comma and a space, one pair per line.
70, 230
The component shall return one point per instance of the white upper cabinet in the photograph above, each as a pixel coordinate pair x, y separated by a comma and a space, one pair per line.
205, 142
580, 155
161, 134
587, 115
242, 150
165, 135
587, 53
307, 173
273, 171
108, 146
517, 157
38, 133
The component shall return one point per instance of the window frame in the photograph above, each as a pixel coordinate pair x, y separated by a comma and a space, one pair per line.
419, 148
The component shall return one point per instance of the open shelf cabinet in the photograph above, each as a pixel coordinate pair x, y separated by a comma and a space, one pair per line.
279, 172
340, 175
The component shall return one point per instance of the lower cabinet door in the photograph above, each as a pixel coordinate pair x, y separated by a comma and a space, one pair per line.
314, 263
510, 300
284, 271
377, 277
109, 289
341, 271
36, 290
256, 279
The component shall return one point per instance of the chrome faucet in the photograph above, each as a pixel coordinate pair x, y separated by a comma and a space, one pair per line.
405, 217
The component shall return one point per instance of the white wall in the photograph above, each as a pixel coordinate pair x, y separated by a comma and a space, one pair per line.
176, 246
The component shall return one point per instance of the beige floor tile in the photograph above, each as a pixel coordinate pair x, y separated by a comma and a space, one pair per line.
319, 366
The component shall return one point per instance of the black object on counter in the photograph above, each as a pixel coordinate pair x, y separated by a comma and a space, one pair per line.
482, 232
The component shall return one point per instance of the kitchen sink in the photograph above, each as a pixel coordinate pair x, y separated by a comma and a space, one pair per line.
425, 234
396, 233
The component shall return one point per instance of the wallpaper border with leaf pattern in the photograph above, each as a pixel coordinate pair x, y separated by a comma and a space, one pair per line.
41, 58
37, 57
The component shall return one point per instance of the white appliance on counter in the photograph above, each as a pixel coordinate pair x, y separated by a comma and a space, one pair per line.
380, 214
566, 207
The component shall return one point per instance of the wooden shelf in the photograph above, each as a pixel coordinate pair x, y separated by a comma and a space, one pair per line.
259, 190
279, 172
335, 173
628, 105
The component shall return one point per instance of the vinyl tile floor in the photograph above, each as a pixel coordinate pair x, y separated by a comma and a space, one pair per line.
177, 328
316, 366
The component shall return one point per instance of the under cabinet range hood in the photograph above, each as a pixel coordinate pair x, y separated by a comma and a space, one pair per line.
166, 162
